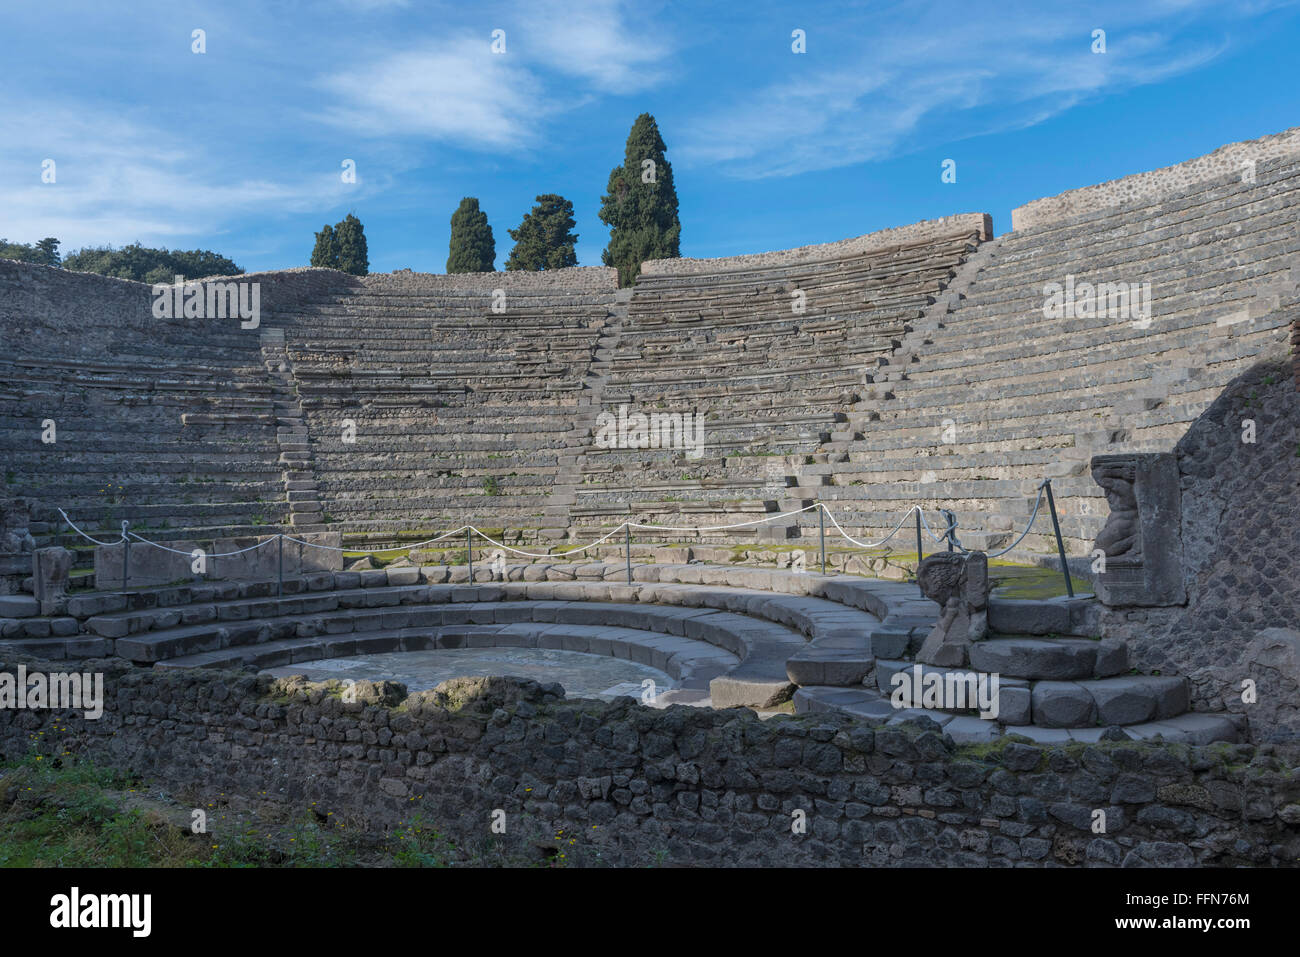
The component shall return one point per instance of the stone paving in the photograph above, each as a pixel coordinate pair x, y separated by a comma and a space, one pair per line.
582, 675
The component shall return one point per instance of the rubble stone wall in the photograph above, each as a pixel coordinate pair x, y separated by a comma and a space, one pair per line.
635, 785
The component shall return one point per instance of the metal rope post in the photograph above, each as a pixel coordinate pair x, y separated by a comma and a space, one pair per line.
821, 517
919, 556
469, 552
279, 588
627, 536
951, 519
126, 557
1060, 545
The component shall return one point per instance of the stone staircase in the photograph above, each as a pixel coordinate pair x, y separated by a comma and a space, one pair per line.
581, 438
301, 491
1053, 685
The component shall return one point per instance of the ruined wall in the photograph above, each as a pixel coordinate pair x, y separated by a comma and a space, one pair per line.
1241, 559
915, 232
1144, 187
595, 279
637, 786
1295, 349
48, 311
16, 543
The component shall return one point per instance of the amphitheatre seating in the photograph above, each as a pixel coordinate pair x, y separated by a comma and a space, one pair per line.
747, 636
1023, 397
871, 378
160, 433
770, 382
462, 414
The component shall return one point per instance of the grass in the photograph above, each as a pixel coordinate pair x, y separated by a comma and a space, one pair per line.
57, 812
60, 812
1028, 582
54, 815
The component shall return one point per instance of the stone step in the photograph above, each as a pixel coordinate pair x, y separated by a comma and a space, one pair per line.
1050, 658
872, 706
1131, 699
693, 664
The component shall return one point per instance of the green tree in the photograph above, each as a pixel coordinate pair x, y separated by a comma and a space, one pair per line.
544, 240
326, 251
150, 265
44, 253
472, 248
640, 204
49, 250
351, 236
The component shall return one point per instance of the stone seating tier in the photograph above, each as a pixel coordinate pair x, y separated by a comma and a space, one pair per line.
753, 635
1203, 201
923, 251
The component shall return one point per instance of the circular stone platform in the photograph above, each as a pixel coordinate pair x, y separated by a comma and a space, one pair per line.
582, 675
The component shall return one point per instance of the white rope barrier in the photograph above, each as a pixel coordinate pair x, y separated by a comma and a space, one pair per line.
945, 536
571, 551
380, 551
914, 508
1037, 502
176, 551
84, 535
719, 528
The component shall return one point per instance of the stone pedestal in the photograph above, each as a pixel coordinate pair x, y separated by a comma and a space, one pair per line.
1142, 539
51, 568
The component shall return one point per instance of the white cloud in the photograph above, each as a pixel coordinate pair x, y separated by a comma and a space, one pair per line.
559, 56
453, 89
119, 180
916, 76
618, 47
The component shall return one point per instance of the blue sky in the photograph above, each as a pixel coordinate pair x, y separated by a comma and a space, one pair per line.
239, 149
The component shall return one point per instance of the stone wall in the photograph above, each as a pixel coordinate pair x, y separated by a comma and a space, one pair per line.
595, 279
620, 784
73, 314
1144, 187
16, 543
1241, 560
1295, 350
916, 232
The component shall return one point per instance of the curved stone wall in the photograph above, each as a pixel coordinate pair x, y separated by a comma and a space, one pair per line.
575, 278
916, 232
1232, 158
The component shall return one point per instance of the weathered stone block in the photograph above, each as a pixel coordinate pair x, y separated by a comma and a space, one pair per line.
1142, 539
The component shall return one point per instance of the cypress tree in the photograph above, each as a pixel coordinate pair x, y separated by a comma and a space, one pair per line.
472, 248
640, 204
544, 240
326, 253
351, 236
48, 248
